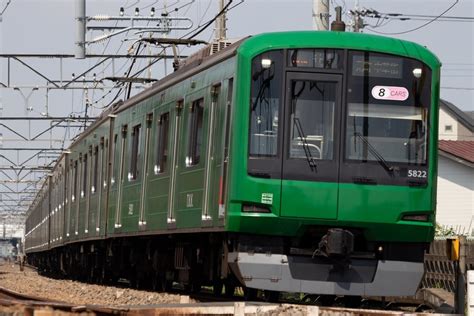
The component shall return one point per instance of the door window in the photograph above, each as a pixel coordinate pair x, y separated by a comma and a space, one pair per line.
312, 120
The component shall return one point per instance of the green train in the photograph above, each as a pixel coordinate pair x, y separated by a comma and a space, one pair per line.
287, 162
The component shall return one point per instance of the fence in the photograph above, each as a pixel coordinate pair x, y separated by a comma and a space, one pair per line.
439, 270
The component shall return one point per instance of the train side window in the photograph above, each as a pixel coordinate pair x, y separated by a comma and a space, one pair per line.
162, 143
114, 157
135, 154
105, 159
122, 153
195, 121
95, 170
84, 178
74, 192
225, 160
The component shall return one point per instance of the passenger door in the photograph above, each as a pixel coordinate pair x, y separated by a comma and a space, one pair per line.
311, 145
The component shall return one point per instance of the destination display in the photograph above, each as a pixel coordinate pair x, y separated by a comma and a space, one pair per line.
315, 58
376, 66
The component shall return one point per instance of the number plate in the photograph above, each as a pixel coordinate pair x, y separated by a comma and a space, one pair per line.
416, 174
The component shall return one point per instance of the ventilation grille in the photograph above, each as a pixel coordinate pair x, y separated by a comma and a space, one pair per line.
220, 45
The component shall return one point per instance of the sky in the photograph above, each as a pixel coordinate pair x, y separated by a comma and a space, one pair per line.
40, 26
48, 26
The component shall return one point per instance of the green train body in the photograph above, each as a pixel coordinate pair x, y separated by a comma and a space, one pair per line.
296, 161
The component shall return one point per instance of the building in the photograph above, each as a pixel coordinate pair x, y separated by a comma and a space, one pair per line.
455, 201
456, 185
455, 124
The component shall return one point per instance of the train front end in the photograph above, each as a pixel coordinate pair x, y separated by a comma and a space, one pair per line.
333, 163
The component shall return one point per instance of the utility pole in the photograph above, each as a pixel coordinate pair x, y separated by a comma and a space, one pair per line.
357, 21
321, 15
221, 29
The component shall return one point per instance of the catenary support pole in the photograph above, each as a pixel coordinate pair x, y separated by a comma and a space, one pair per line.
80, 51
221, 23
321, 15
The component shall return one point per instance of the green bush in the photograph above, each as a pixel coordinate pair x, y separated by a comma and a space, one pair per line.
444, 231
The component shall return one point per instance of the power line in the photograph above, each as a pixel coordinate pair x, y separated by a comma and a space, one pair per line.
206, 25
457, 76
421, 26
457, 69
426, 19
457, 88
428, 16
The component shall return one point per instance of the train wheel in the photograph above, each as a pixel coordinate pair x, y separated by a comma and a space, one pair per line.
352, 301
160, 284
271, 296
310, 299
229, 289
250, 294
155, 282
167, 285
196, 285
326, 300
134, 278
217, 287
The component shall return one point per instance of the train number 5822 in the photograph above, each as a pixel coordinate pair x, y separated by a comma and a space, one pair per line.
416, 174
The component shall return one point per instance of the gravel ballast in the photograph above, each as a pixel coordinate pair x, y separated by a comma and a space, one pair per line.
29, 282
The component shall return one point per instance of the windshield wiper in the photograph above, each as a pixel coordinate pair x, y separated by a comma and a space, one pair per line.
375, 153
307, 151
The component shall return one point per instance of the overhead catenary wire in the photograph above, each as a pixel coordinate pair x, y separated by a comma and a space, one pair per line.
448, 17
208, 23
93, 104
5, 8
418, 27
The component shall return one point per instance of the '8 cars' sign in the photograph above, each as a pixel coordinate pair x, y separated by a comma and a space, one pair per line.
390, 93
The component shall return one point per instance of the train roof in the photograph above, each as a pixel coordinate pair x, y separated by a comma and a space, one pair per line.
344, 40
253, 45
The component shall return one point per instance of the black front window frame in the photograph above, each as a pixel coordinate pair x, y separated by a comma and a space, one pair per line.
268, 77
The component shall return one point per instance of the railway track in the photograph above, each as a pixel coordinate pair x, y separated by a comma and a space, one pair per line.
30, 305
7, 295
207, 304
204, 302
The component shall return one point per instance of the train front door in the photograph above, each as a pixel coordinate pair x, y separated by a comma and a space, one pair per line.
311, 145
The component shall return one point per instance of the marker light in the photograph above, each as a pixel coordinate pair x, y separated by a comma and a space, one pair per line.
417, 72
416, 217
266, 63
255, 209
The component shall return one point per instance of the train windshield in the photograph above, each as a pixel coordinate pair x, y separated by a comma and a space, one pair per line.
335, 115
388, 98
